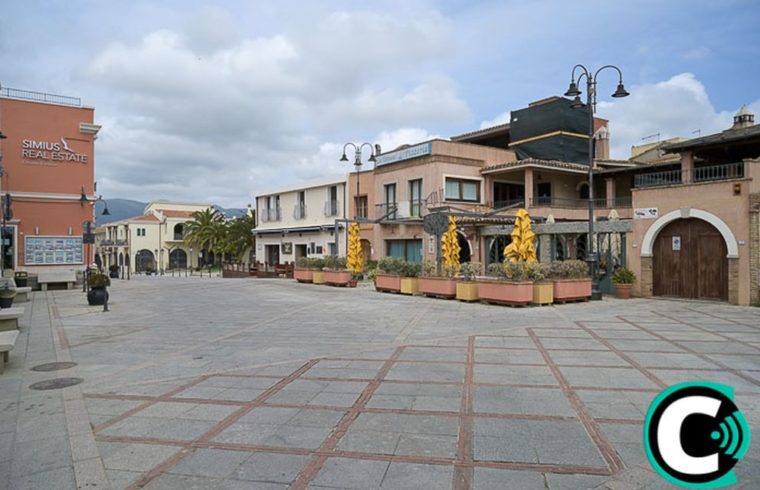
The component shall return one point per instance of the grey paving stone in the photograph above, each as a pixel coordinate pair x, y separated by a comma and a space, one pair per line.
572, 482
427, 372
427, 445
351, 473
212, 463
271, 468
121, 478
403, 476
497, 479
53, 479
370, 441
606, 378
173, 482
533, 401
133, 457
509, 356
529, 375
40, 455
588, 358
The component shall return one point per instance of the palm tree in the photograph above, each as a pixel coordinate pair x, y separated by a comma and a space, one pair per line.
240, 235
203, 231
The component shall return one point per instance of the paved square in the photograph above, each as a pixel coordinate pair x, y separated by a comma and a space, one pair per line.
226, 384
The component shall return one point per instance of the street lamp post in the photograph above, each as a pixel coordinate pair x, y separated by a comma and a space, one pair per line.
573, 91
374, 151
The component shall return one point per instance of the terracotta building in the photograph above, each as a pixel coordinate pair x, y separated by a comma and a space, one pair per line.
48, 160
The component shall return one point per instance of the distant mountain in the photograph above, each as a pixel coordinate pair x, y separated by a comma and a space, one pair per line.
119, 208
126, 208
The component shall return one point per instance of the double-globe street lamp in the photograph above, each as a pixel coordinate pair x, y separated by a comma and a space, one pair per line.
572, 91
373, 152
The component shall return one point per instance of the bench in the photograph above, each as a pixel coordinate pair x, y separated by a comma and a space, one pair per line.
7, 343
57, 277
22, 294
9, 318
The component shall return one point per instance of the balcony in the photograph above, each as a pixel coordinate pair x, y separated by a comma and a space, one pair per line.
332, 208
386, 211
120, 242
712, 173
270, 214
564, 203
299, 211
106, 243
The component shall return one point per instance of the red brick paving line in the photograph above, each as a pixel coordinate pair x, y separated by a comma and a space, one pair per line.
721, 318
463, 470
313, 467
606, 449
650, 376
219, 427
698, 354
729, 339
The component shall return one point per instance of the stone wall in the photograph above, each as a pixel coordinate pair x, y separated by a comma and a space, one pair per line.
645, 277
754, 249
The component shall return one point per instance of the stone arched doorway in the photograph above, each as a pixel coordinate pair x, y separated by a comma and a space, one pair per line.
178, 259
366, 250
145, 261
689, 260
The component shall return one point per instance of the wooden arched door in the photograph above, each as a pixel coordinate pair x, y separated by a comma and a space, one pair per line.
689, 261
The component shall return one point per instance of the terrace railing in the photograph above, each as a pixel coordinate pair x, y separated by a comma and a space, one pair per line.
712, 173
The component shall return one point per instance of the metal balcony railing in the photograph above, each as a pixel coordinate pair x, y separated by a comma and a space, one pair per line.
120, 242
299, 211
387, 210
332, 208
15, 93
106, 243
511, 204
566, 203
270, 214
710, 173
178, 237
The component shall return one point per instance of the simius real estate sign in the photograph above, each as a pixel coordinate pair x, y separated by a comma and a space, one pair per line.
58, 151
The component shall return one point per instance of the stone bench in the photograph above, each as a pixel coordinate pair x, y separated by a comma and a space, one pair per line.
22, 295
59, 277
9, 318
7, 343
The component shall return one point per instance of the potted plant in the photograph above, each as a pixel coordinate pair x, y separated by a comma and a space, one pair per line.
335, 271
97, 295
571, 280
409, 282
467, 288
507, 284
304, 270
7, 294
21, 278
388, 276
317, 274
113, 271
435, 285
543, 290
623, 279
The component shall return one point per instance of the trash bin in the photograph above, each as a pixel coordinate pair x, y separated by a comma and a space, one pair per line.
21, 278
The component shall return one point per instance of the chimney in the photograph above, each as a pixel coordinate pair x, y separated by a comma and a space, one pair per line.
743, 119
602, 143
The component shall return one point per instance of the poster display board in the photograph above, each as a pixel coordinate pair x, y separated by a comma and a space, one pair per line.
53, 250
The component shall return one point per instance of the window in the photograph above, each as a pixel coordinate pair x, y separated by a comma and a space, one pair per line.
409, 250
332, 249
390, 200
462, 190
544, 193
331, 206
300, 209
361, 206
415, 198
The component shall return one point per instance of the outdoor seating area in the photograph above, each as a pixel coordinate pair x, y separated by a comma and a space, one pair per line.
58, 278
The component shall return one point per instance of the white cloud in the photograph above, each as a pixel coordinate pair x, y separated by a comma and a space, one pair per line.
675, 107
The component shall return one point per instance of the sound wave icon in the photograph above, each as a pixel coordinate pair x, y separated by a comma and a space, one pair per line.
734, 435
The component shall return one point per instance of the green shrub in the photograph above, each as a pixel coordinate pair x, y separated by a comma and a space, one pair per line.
469, 270
410, 269
98, 280
371, 274
495, 270
370, 265
536, 271
303, 262
318, 263
569, 269
391, 265
624, 276
334, 263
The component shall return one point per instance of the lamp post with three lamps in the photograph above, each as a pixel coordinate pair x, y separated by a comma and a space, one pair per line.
374, 151
572, 91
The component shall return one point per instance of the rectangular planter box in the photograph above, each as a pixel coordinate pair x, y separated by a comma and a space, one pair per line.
467, 291
410, 285
388, 283
543, 293
572, 289
506, 293
337, 278
318, 277
303, 275
439, 287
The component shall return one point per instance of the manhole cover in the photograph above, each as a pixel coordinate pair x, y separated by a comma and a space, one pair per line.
56, 384
54, 366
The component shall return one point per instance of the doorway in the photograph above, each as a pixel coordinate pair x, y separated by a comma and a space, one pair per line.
301, 250
272, 255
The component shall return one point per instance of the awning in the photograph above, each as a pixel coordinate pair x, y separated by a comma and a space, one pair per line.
290, 231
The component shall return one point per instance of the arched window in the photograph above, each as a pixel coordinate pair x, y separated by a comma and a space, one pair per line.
179, 230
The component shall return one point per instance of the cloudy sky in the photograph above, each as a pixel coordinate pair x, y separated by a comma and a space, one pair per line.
211, 100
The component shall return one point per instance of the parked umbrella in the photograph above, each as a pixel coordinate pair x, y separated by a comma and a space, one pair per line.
450, 248
522, 248
354, 261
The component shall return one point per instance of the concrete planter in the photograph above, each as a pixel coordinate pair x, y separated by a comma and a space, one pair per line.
623, 291
304, 275
337, 278
388, 283
318, 277
543, 293
410, 285
506, 293
572, 289
467, 291
439, 287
